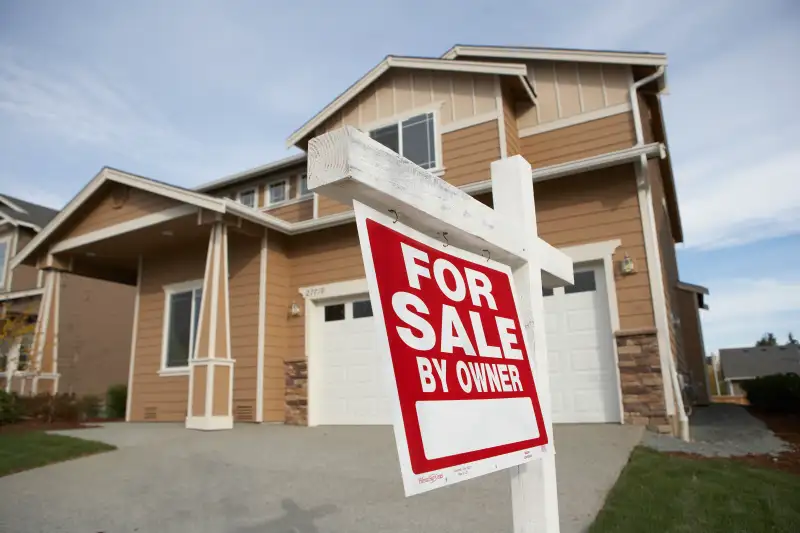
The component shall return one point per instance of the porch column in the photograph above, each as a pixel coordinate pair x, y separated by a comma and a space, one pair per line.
211, 367
43, 365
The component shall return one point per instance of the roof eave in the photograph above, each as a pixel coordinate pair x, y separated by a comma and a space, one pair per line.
554, 54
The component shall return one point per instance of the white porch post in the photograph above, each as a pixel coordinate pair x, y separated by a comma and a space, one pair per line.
533, 493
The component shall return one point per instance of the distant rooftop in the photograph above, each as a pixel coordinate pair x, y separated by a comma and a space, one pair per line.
24, 211
745, 363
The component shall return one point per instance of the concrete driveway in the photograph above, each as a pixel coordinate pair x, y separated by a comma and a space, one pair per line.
282, 479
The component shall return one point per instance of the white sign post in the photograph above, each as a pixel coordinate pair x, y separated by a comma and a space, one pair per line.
426, 229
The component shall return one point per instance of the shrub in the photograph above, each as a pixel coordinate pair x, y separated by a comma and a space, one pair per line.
10, 409
779, 393
48, 408
89, 406
116, 400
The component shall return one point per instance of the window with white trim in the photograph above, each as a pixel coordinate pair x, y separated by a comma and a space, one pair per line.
182, 310
303, 188
276, 193
248, 197
5, 257
413, 138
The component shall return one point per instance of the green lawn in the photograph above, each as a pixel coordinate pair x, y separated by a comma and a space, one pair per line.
668, 494
23, 451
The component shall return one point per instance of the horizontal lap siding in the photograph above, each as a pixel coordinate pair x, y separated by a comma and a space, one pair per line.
579, 141
468, 153
323, 257
510, 123
593, 207
275, 341
244, 264
326, 206
294, 213
113, 207
168, 395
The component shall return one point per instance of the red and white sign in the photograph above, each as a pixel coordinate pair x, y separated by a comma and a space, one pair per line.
457, 354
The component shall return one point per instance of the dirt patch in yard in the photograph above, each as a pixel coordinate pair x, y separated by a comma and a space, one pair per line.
787, 428
35, 425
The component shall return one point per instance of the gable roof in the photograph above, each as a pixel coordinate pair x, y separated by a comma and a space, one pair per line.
517, 70
107, 174
518, 53
26, 213
252, 173
745, 363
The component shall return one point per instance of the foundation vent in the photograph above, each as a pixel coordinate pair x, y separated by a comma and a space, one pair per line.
244, 413
151, 413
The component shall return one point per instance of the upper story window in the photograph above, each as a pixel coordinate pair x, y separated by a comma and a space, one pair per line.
304, 185
412, 138
248, 197
276, 193
5, 256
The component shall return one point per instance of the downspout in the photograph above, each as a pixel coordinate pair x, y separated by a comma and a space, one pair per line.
654, 265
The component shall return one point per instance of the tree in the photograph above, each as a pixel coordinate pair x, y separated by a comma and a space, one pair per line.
792, 341
16, 336
768, 339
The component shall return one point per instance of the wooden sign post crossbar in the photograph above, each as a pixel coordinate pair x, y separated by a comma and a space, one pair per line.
348, 166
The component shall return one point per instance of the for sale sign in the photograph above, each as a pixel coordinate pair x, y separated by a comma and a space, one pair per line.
455, 352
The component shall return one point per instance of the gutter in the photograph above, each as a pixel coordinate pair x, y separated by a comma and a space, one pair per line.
654, 267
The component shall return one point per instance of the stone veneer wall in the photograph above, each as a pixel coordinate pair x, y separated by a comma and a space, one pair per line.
296, 400
641, 378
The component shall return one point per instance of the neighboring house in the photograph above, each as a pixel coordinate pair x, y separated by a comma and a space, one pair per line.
89, 319
252, 303
742, 364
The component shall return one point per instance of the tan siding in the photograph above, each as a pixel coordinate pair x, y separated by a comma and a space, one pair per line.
600, 206
510, 122
199, 394
118, 203
295, 212
567, 89
94, 337
579, 141
222, 376
244, 263
277, 316
468, 153
326, 206
24, 276
401, 91
168, 395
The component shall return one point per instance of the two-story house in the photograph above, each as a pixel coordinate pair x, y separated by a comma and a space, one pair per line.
251, 299
89, 320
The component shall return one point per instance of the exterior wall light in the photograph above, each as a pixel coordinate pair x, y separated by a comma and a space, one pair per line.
628, 266
294, 310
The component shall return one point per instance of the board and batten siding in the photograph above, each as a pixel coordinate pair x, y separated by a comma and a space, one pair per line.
116, 204
583, 140
566, 89
24, 277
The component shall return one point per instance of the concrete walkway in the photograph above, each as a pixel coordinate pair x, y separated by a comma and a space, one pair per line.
281, 479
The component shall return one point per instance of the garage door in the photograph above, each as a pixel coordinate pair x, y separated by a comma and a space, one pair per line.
582, 368
352, 387
583, 374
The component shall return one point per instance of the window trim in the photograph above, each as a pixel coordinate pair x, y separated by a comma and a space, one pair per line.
300, 194
398, 119
253, 190
8, 240
169, 290
268, 199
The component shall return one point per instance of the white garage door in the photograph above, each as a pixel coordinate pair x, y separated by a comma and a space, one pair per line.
582, 370
583, 374
352, 387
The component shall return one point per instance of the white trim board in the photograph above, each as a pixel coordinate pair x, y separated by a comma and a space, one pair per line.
8, 296
574, 120
555, 54
504, 69
134, 335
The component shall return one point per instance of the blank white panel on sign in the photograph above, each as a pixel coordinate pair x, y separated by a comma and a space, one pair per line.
452, 427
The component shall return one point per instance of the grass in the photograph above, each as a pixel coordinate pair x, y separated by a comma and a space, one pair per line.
23, 451
669, 494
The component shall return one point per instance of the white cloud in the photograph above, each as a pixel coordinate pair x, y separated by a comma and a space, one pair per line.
741, 310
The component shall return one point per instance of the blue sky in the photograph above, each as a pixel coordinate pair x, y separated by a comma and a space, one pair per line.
188, 91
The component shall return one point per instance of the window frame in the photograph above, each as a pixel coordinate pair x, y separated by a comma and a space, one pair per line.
398, 120
169, 291
300, 193
8, 240
285, 182
253, 190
